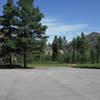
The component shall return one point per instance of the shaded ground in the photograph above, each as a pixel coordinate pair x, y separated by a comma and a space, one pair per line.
14, 67
50, 84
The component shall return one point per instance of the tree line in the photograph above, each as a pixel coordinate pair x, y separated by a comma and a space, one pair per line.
76, 51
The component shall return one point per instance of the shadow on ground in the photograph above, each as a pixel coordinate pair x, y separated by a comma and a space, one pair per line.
87, 67
14, 67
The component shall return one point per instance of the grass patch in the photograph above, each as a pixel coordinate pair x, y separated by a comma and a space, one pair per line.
48, 64
87, 66
57, 64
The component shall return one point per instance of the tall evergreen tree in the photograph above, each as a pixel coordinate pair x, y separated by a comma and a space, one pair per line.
74, 50
60, 43
55, 49
98, 50
82, 48
29, 27
64, 42
8, 31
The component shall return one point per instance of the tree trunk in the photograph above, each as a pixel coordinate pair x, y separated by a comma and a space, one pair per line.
25, 59
98, 58
10, 59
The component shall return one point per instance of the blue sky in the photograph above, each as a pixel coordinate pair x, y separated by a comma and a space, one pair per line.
69, 17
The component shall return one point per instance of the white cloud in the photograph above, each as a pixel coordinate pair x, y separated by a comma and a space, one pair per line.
56, 27
48, 20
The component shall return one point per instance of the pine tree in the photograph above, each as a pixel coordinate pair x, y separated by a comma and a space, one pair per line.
98, 50
74, 50
64, 43
8, 30
59, 48
82, 48
60, 43
55, 48
78, 44
29, 27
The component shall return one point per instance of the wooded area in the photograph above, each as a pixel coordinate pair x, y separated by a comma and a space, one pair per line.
23, 39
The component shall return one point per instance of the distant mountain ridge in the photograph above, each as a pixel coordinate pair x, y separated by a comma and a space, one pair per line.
92, 38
